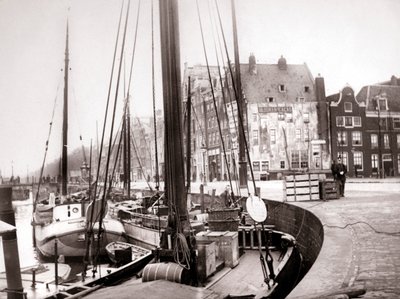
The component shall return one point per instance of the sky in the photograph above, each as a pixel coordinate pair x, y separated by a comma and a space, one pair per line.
355, 42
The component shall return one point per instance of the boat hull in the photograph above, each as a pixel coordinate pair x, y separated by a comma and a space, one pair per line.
70, 236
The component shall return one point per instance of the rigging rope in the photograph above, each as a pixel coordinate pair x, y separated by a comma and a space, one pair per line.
237, 102
139, 161
154, 100
212, 92
46, 147
103, 198
224, 108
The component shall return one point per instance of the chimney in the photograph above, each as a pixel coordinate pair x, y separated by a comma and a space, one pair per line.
394, 81
252, 64
282, 63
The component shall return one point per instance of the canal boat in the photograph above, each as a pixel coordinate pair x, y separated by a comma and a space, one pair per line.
120, 252
61, 223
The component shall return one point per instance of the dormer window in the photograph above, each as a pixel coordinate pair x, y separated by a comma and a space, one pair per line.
300, 99
348, 107
269, 99
382, 105
281, 88
306, 88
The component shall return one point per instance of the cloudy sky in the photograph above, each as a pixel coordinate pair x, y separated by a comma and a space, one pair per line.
354, 42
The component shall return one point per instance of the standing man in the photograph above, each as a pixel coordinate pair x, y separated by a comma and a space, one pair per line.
341, 171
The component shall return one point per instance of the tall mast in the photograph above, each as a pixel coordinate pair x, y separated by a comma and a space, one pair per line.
171, 76
64, 157
241, 108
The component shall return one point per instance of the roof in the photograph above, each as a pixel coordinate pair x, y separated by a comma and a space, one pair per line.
265, 83
391, 93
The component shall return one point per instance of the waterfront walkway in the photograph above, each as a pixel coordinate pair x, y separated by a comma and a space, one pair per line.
361, 241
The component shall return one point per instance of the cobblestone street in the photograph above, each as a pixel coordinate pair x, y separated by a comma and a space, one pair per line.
361, 245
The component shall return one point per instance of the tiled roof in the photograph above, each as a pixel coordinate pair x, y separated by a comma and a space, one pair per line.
392, 93
265, 83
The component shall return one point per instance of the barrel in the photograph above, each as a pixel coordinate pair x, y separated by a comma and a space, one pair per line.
167, 271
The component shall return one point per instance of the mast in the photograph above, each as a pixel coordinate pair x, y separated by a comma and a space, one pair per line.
188, 136
64, 157
171, 76
241, 106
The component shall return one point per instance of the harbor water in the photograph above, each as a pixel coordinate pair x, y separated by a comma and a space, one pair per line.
23, 216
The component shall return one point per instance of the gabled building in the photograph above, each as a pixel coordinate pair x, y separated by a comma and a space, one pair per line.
348, 130
382, 128
284, 105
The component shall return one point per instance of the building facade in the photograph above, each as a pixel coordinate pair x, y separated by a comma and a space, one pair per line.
348, 130
283, 107
382, 129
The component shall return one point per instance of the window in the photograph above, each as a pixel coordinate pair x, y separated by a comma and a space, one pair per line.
398, 162
300, 99
374, 141
298, 134
306, 88
357, 121
282, 164
339, 121
281, 88
254, 117
374, 163
306, 134
358, 160
269, 99
306, 117
344, 157
299, 159
348, 107
272, 134
289, 117
342, 138
295, 160
348, 121
382, 104
256, 165
304, 159
386, 141
281, 116
396, 122
356, 138
255, 137
383, 123
398, 142
264, 165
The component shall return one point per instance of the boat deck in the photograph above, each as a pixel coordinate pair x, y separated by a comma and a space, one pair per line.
248, 272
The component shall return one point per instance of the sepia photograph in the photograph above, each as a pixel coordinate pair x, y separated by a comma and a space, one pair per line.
199, 149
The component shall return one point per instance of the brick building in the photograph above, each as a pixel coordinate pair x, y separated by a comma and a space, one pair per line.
347, 127
382, 128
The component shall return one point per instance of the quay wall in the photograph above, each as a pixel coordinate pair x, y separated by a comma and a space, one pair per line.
301, 224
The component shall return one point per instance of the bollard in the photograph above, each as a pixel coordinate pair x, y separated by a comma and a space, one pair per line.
10, 246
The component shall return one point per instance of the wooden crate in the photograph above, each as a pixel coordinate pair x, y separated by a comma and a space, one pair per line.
301, 187
329, 190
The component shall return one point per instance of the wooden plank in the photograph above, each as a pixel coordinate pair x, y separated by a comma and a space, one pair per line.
301, 177
304, 190
301, 184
